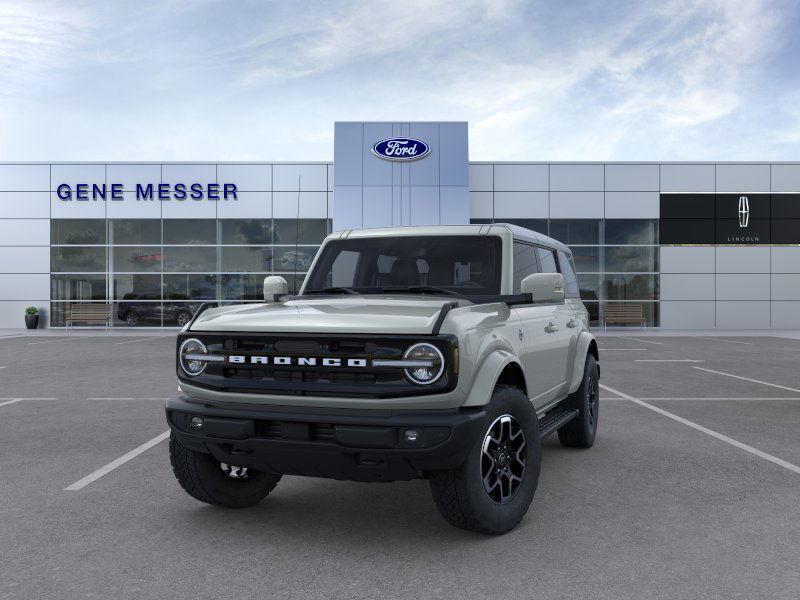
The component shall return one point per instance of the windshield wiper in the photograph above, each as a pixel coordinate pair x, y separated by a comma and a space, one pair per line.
332, 290
420, 289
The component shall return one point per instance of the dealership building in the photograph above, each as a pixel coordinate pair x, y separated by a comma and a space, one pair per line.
695, 245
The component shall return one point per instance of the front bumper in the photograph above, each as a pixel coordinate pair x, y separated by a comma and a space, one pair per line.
358, 445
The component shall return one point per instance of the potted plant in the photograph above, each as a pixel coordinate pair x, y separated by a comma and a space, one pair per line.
31, 317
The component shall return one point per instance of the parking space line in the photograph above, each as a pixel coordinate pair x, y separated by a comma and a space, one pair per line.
725, 399
680, 360
623, 349
775, 385
10, 402
639, 340
140, 340
723, 438
5, 401
71, 339
4, 367
105, 470
130, 398
700, 337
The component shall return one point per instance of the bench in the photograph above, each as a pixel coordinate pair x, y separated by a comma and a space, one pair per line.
88, 312
623, 314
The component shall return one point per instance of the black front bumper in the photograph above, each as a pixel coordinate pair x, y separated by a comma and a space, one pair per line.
338, 444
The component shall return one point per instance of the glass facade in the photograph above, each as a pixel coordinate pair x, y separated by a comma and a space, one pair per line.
616, 260
156, 272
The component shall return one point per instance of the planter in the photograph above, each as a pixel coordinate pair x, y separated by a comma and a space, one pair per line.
32, 321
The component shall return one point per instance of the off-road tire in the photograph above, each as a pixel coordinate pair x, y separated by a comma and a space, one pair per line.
202, 478
459, 493
581, 431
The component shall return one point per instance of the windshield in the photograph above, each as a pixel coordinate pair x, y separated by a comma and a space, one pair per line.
461, 265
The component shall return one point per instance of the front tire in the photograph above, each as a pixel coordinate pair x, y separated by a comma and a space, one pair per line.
206, 479
132, 318
581, 431
492, 490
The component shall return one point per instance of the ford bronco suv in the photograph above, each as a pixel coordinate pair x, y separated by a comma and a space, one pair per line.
445, 353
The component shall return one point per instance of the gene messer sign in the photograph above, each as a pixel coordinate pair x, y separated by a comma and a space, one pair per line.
148, 191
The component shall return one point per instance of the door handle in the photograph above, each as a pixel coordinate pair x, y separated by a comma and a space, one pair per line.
551, 327
572, 323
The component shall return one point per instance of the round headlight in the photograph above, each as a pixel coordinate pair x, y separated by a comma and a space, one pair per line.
431, 357
189, 348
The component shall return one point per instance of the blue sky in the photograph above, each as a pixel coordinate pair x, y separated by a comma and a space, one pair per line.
560, 80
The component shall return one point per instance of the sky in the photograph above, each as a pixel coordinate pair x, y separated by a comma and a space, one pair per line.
183, 80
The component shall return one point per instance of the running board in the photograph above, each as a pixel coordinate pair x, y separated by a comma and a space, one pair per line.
555, 419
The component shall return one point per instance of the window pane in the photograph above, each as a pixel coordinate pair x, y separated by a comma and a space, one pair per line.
187, 259
631, 287
524, 263
300, 231
194, 287
127, 259
247, 258
575, 231
650, 312
631, 231
190, 231
78, 287
589, 286
289, 258
625, 259
137, 314
594, 313
587, 259
538, 225
246, 231
137, 287
77, 259
135, 231
547, 260
242, 287
177, 314
78, 231
570, 280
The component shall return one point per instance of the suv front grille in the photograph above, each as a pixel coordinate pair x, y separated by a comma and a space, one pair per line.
317, 380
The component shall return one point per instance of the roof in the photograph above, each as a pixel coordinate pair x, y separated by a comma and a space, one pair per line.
519, 233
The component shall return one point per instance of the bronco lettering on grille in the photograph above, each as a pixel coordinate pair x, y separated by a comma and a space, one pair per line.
300, 361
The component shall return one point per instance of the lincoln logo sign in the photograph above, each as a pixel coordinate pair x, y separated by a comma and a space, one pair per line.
744, 211
401, 149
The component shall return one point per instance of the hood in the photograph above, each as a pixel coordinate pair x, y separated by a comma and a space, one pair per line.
348, 314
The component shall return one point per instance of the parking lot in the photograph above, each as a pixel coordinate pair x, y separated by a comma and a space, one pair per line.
692, 490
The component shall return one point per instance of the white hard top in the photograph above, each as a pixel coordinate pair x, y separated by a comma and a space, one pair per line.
518, 233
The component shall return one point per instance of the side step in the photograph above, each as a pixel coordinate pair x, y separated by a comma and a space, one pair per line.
555, 418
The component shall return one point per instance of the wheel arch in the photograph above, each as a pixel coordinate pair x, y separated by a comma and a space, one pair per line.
500, 366
587, 344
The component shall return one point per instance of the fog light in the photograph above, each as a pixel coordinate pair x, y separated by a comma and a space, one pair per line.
411, 436
196, 423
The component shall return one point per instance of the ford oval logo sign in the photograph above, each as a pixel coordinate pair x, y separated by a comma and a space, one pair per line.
401, 148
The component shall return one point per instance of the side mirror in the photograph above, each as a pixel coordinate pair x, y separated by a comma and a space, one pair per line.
274, 286
544, 287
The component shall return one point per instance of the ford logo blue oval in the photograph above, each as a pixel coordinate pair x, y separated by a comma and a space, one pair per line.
401, 148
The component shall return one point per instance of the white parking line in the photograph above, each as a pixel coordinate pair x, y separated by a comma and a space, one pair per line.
639, 340
775, 385
129, 398
140, 340
707, 431
700, 337
623, 349
92, 477
10, 402
4, 367
725, 399
5, 401
681, 360
69, 339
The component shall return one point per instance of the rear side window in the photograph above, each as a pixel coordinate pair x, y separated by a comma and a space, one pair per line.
524, 263
547, 260
568, 270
